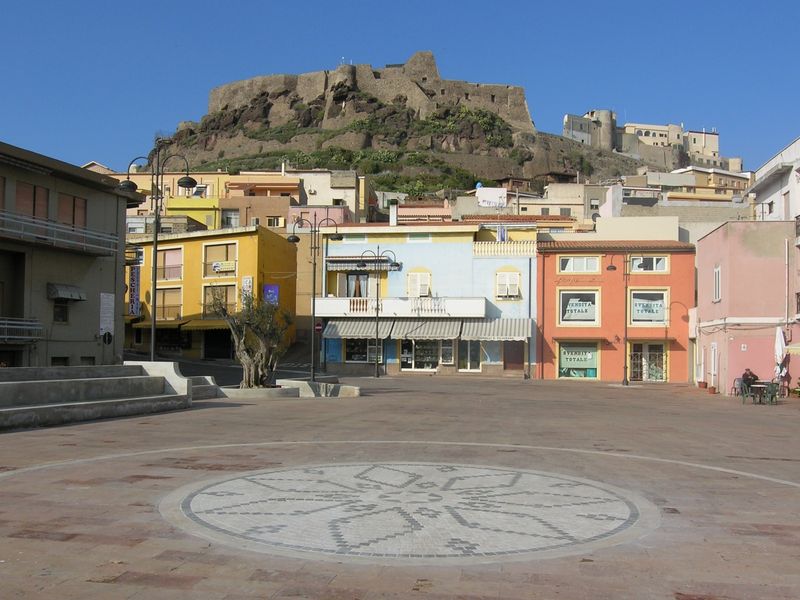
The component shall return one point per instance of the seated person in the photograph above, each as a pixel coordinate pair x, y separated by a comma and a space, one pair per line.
749, 378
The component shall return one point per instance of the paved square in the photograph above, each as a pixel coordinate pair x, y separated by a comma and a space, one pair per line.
422, 488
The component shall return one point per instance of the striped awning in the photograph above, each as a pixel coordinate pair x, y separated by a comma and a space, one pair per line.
198, 324
793, 349
160, 324
357, 328
497, 330
426, 329
351, 263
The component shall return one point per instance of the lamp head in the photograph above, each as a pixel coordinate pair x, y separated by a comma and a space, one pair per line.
187, 182
293, 239
611, 268
394, 265
128, 186
361, 265
336, 237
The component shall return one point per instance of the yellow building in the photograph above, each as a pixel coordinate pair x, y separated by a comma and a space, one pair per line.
710, 184
190, 267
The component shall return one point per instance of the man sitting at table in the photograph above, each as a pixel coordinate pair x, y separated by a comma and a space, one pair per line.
749, 378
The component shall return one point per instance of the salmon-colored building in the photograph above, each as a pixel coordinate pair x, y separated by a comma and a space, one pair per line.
615, 310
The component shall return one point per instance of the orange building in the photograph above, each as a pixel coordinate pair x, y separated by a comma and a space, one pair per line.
615, 310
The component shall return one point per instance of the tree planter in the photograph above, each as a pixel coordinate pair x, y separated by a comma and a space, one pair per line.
702, 384
712, 389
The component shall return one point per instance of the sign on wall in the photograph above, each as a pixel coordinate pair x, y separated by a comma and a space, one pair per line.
579, 307
491, 197
271, 292
106, 313
223, 266
247, 284
647, 307
134, 304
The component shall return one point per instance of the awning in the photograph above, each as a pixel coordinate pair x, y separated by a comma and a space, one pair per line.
497, 330
426, 329
357, 328
62, 291
160, 324
351, 263
197, 324
131, 318
793, 349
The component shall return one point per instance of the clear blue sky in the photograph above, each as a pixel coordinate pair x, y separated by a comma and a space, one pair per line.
96, 80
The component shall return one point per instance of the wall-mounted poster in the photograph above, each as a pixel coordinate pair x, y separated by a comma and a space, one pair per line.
578, 307
271, 291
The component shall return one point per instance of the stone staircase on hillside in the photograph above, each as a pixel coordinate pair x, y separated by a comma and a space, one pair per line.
41, 396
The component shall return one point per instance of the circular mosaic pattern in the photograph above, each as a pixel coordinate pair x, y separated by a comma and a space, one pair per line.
410, 511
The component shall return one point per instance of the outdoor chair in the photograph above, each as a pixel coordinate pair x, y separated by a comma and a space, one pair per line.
736, 388
747, 392
771, 393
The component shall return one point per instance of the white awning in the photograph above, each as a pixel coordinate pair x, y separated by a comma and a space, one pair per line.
357, 328
497, 330
426, 329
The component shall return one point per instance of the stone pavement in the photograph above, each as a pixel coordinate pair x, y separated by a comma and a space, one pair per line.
427, 488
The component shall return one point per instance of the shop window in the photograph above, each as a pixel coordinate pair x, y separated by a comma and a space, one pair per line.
648, 307
420, 355
657, 264
578, 264
87, 361
362, 350
447, 355
577, 360
137, 336
469, 355
578, 307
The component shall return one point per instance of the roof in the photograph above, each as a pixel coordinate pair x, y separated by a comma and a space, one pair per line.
516, 218
623, 245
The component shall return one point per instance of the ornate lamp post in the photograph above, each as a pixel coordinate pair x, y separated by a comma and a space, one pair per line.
156, 189
625, 273
393, 265
315, 248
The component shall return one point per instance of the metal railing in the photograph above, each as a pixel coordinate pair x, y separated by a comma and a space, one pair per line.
20, 330
168, 311
50, 233
219, 268
210, 312
521, 248
169, 272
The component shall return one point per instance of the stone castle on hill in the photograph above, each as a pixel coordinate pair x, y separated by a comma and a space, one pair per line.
417, 82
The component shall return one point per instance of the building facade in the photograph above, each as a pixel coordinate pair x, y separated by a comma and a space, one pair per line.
62, 251
776, 186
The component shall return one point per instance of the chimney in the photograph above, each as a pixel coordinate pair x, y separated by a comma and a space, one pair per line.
283, 168
393, 212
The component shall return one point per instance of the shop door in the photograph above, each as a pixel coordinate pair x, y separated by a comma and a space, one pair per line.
469, 355
513, 356
407, 354
647, 362
218, 343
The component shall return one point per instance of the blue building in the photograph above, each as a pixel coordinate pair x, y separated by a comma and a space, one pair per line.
445, 298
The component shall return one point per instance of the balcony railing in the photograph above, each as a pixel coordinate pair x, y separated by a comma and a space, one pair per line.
402, 307
20, 330
169, 272
58, 235
220, 268
521, 248
209, 312
168, 311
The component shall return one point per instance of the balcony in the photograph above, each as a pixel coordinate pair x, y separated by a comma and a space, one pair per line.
20, 331
210, 313
169, 272
521, 248
49, 233
402, 307
168, 311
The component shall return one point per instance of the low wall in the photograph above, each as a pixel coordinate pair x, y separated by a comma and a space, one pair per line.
321, 389
175, 383
237, 393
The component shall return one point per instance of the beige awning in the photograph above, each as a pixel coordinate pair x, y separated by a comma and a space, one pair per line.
793, 349
160, 324
357, 328
426, 329
497, 330
198, 324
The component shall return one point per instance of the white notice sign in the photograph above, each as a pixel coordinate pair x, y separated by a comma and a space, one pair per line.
106, 313
492, 197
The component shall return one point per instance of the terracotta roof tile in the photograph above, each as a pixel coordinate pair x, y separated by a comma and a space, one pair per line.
624, 245
517, 218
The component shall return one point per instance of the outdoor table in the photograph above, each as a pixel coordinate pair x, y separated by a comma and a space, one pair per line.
759, 388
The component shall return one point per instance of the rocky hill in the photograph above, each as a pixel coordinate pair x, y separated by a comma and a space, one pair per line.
403, 124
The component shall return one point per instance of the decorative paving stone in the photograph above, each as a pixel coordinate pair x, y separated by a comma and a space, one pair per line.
411, 511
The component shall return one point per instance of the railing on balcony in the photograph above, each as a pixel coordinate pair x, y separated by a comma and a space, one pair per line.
520, 248
169, 272
402, 307
219, 268
168, 311
50, 233
209, 312
20, 330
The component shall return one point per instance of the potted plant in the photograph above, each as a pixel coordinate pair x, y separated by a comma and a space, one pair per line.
712, 389
702, 384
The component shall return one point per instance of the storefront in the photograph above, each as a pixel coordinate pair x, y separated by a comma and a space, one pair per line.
427, 344
578, 359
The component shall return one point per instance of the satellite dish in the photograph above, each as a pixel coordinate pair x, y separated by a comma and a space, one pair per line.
478, 185
595, 216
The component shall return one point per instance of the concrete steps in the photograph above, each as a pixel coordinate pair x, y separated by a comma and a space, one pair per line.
204, 388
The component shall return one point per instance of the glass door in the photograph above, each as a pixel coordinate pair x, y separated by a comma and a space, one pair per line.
419, 355
647, 362
469, 355
407, 354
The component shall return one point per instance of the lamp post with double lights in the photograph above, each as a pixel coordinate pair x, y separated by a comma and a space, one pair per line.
157, 164
625, 272
378, 255
315, 248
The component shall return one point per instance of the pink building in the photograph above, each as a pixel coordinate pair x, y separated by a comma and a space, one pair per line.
746, 289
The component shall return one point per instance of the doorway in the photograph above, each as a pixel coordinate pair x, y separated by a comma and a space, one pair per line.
513, 356
648, 362
469, 355
217, 343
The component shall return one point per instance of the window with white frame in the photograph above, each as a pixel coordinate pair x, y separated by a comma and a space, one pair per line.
419, 284
448, 354
579, 264
578, 307
507, 284
362, 350
230, 217
717, 283
354, 238
648, 307
419, 237
657, 264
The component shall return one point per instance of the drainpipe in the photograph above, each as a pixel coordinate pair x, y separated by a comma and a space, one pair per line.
786, 276
544, 318
528, 374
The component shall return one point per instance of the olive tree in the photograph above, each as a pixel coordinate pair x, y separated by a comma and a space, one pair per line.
259, 336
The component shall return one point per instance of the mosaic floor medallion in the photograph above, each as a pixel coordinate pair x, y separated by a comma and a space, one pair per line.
414, 511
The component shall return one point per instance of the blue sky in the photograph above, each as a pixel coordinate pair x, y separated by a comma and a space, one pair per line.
96, 80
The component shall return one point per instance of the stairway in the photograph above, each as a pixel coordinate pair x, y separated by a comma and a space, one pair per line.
42, 396
204, 387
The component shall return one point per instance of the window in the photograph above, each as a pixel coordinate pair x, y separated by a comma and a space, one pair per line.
448, 354
168, 304
355, 238
507, 285
2, 193
226, 295
717, 284
770, 207
220, 260
169, 264
578, 264
565, 212
419, 237
71, 210
60, 310
545, 211
87, 360
32, 200
578, 307
362, 350
59, 361
594, 204
648, 263
200, 191
577, 360
419, 284
357, 285
230, 217
648, 307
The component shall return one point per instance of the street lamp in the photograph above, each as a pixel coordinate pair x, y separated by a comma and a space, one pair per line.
625, 271
315, 247
393, 265
156, 191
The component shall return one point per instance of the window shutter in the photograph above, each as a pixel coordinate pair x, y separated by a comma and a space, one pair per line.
513, 285
502, 285
341, 285
424, 284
